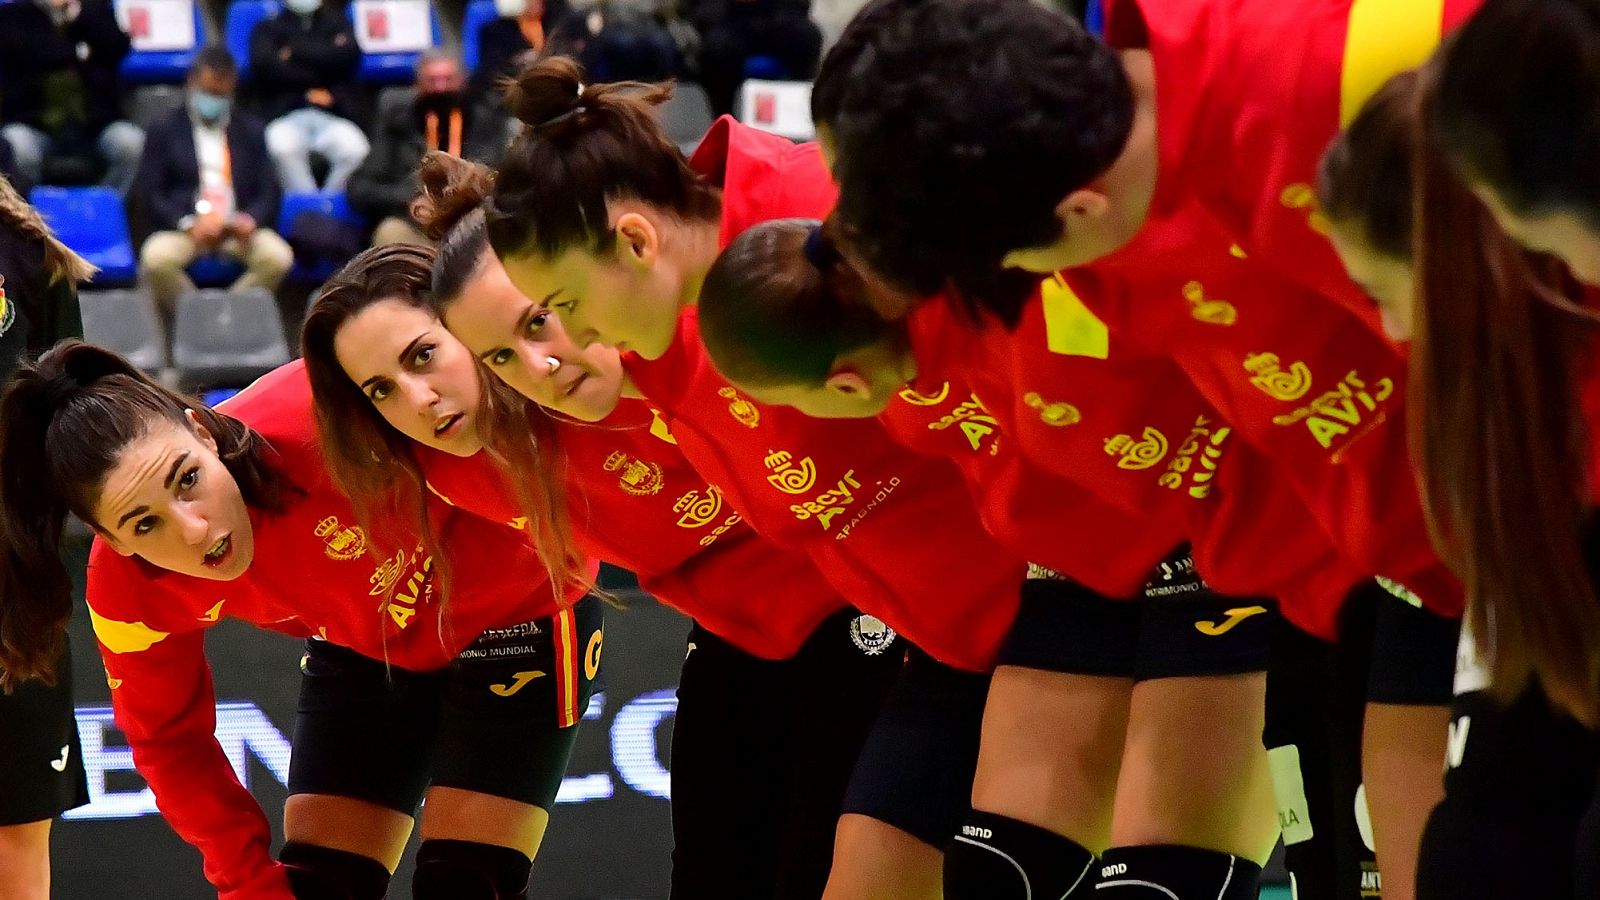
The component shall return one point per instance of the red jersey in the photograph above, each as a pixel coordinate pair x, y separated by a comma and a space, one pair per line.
636, 502
893, 531
315, 572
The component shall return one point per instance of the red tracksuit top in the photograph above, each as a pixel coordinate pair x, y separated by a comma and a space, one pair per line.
894, 532
1304, 379
637, 503
314, 573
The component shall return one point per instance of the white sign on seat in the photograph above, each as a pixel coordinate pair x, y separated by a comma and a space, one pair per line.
781, 107
157, 25
393, 26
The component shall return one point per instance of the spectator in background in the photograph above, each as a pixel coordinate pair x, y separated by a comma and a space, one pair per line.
304, 61
619, 40
525, 27
733, 31
59, 69
208, 184
438, 116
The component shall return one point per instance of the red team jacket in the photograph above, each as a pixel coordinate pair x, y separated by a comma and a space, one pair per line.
894, 532
314, 573
1301, 376
637, 503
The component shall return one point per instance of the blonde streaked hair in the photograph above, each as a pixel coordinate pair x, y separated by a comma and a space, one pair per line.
63, 264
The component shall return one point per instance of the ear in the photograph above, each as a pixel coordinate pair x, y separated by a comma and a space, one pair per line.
638, 240
847, 382
1082, 206
201, 432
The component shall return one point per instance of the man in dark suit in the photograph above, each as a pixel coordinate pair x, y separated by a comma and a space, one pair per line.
437, 115
208, 183
304, 62
59, 75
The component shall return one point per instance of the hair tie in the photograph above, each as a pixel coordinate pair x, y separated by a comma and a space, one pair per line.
818, 251
61, 386
562, 117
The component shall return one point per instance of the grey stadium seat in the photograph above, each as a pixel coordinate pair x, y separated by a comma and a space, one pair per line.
227, 338
125, 321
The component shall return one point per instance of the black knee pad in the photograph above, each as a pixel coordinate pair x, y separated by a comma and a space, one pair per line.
1165, 872
996, 858
467, 870
322, 873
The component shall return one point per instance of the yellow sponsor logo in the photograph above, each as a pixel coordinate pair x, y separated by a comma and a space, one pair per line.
790, 476
518, 682
1269, 375
1234, 617
1053, 413
698, 509
1208, 309
911, 396
1141, 454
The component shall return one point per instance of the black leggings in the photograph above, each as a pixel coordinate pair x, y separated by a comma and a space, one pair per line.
761, 753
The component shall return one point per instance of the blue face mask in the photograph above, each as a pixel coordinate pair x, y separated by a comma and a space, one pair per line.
211, 108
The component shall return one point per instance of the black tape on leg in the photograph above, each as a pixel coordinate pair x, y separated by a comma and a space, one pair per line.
322, 873
467, 870
1169, 872
996, 858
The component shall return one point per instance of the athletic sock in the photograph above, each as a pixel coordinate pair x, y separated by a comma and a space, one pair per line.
996, 858
1169, 872
322, 873
467, 870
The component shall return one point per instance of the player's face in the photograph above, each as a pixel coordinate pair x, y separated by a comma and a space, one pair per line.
1390, 282
1562, 233
418, 376
627, 297
517, 339
171, 501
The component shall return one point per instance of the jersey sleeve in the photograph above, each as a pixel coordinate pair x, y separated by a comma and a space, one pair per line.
164, 703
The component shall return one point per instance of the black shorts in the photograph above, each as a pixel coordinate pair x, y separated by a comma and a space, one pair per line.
1189, 630
42, 775
500, 720
916, 769
761, 753
1413, 650
1062, 626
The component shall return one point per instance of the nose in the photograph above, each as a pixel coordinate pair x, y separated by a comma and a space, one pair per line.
536, 361
194, 527
419, 395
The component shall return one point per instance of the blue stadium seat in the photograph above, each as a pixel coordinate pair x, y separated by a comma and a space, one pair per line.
241, 20
335, 206
215, 271
163, 66
1094, 18
767, 68
92, 222
479, 14
393, 68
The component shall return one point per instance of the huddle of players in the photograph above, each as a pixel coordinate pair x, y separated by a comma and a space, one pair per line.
1035, 434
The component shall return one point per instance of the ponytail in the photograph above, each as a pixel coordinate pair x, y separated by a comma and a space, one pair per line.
581, 146
1501, 446
68, 417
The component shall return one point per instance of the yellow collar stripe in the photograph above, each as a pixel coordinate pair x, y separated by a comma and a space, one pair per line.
1385, 38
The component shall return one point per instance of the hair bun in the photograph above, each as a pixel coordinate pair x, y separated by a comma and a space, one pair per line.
451, 188
544, 91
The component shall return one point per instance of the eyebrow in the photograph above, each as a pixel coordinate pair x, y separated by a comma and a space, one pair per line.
131, 514
404, 353
172, 473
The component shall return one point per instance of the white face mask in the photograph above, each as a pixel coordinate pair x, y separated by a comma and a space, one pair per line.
510, 9
303, 7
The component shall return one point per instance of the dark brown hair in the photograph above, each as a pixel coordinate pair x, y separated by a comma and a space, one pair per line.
581, 146
1365, 175
1500, 437
376, 466
68, 418
1519, 104
780, 306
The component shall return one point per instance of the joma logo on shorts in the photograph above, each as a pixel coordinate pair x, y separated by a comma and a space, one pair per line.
974, 831
1118, 869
